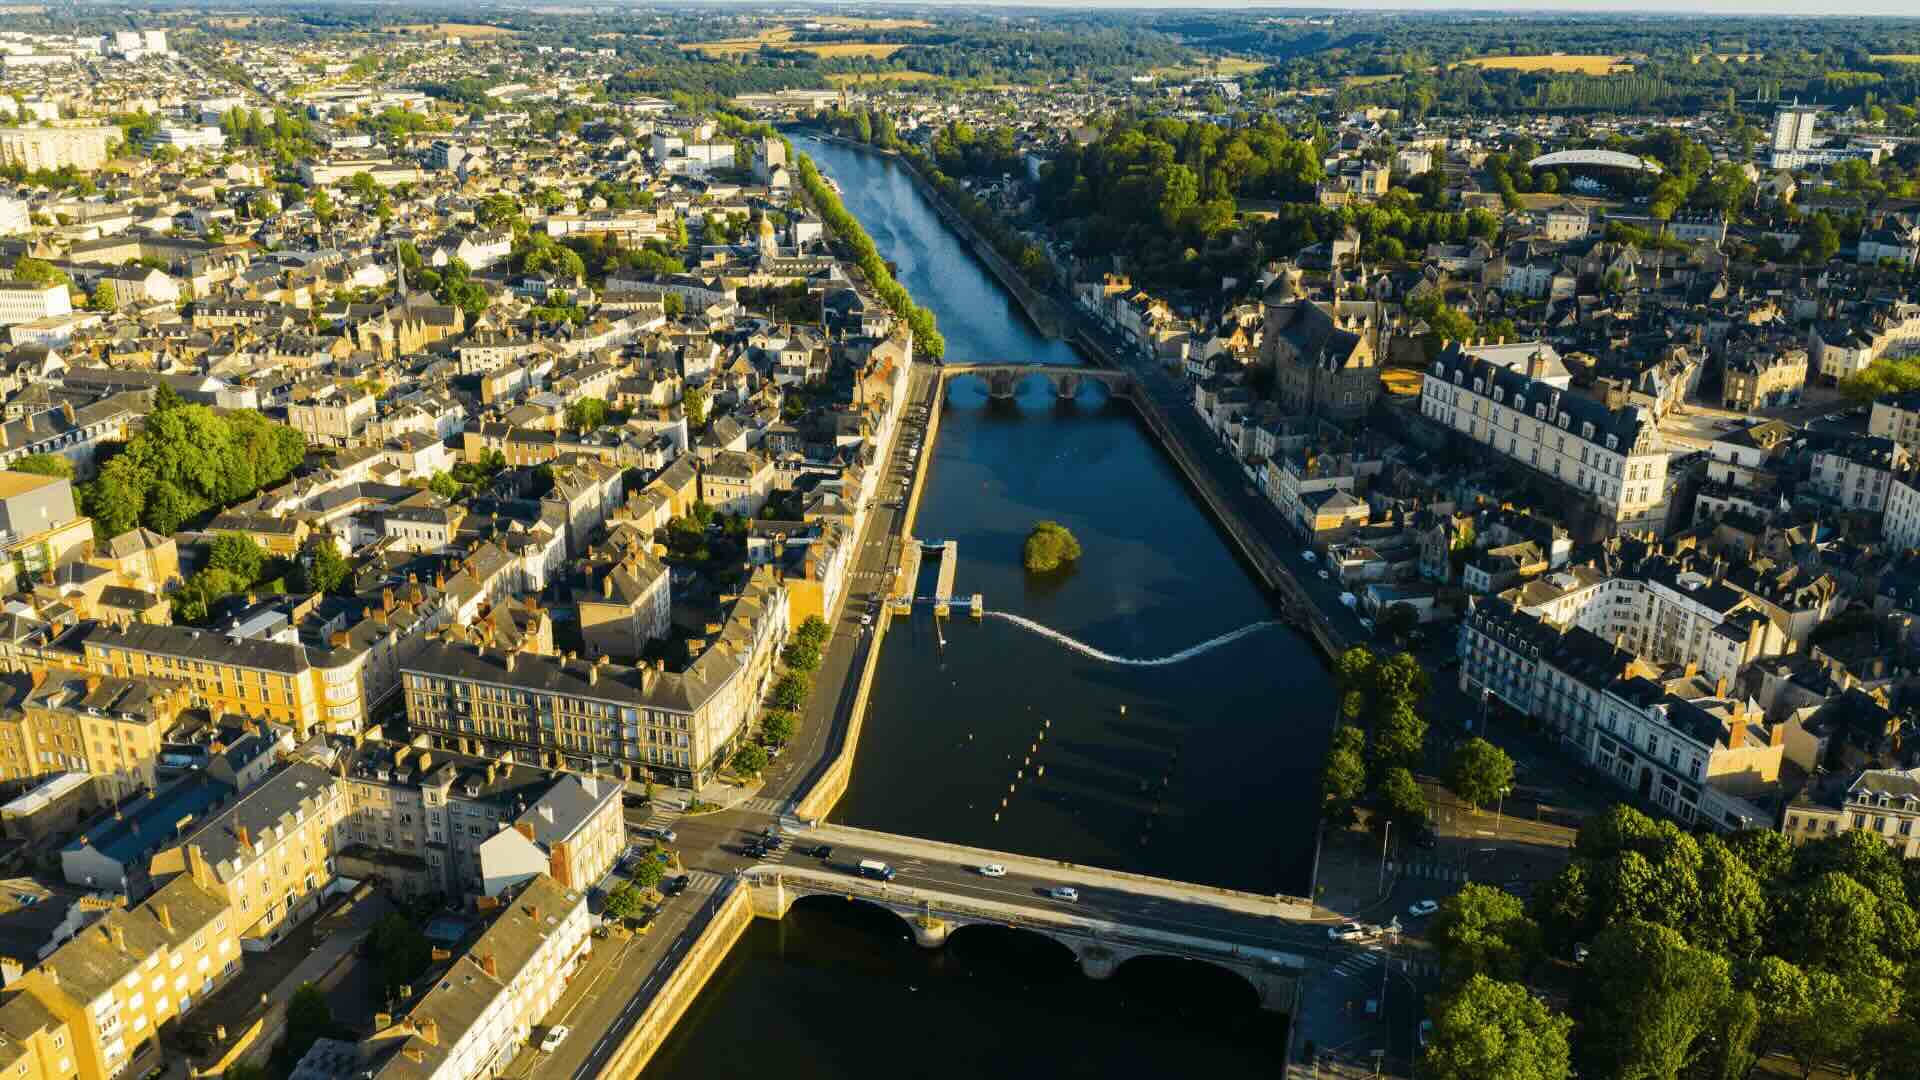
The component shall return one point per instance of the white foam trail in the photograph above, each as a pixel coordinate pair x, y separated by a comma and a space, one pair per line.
1085, 649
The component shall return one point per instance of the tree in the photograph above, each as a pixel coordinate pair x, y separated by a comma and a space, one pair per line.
309, 1019
444, 486
237, 554
625, 901
694, 404
801, 655
586, 414
1488, 1029
1401, 800
1819, 240
1343, 779
791, 690
1480, 772
31, 271
1398, 737
813, 630
1399, 620
1649, 999
165, 397
403, 952
103, 298
649, 870
44, 465
1832, 922
778, 725
321, 568
1481, 930
1049, 546
750, 759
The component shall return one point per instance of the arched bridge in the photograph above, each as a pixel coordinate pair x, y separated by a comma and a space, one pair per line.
1003, 379
1099, 941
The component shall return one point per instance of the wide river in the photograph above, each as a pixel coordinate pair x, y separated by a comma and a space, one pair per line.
1202, 770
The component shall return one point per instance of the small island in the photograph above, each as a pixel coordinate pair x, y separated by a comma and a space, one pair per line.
1049, 547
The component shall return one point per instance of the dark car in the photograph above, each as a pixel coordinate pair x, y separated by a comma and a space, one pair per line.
633, 800
674, 886
1426, 838
820, 851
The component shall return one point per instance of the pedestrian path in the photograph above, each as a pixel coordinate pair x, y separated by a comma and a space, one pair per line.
1428, 871
764, 805
1362, 964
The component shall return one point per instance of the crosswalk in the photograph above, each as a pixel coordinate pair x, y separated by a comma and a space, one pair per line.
1428, 871
1362, 964
763, 805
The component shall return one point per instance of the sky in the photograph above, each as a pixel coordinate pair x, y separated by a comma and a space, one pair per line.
1777, 8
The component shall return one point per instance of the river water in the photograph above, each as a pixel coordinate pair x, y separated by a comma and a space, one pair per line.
1203, 770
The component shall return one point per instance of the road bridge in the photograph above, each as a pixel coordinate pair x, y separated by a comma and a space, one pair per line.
1004, 379
1101, 942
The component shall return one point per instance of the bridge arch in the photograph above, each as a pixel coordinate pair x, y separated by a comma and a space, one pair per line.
1040, 939
844, 902
1005, 381
1229, 978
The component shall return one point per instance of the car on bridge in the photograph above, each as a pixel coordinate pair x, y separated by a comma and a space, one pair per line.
1351, 931
993, 870
1064, 893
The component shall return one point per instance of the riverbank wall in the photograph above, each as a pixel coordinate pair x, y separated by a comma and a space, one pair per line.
1040, 309
833, 780
731, 915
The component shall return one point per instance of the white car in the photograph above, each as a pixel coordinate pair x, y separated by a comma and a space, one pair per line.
1366, 624
1309, 556
866, 620
1063, 892
993, 870
1423, 908
1351, 931
1324, 576
556, 1035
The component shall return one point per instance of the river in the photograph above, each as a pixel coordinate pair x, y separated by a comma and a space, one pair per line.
1202, 770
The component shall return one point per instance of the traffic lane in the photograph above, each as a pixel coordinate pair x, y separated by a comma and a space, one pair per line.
1096, 901
683, 923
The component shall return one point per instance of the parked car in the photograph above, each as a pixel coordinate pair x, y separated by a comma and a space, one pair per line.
674, 886
556, 1035
1423, 908
1348, 931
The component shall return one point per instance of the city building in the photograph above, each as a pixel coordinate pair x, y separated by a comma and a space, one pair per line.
269, 853
645, 722
1859, 474
58, 145
476, 1014
23, 303
112, 729
574, 833
1325, 356
1885, 802
330, 413
1611, 459
1763, 378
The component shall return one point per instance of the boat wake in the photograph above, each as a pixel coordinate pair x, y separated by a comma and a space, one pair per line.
1085, 649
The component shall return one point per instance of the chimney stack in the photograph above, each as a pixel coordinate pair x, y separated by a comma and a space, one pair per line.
165, 916
488, 965
246, 838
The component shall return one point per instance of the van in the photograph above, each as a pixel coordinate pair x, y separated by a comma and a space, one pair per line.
875, 870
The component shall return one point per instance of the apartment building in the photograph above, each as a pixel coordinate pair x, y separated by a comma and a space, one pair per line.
631, 606
573, 833
24, 303
1859, 475
574, 714
1846, 346
1763, 378
476, 1015
1896, 417
272, 680
1612, 458
736, 483
98, 1002
268, 853
39, 527
330, 413
57, 146
1885, 802
111, 728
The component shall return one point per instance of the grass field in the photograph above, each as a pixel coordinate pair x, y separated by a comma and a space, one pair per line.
848, 79
850, 22
782, 37
1229, 66
1585, 64
1896, 58
1367, 80
450, 29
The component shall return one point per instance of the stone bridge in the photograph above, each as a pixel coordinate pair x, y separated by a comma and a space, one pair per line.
1003, 379
1100, 944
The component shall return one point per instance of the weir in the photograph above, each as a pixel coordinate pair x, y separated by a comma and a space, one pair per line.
943, 589
1085, 649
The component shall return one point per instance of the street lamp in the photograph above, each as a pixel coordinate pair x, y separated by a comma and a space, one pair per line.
1387, 832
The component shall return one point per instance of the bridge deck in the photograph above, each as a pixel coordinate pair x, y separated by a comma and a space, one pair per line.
909, 574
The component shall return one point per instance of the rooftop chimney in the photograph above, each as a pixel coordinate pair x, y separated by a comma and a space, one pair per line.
165, 916
246, 838
488, 965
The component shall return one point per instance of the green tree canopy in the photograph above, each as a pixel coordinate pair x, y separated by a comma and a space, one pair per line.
1480, 772
44, 465
1049, 547
1481, 930
1489, 1030
1650, 1000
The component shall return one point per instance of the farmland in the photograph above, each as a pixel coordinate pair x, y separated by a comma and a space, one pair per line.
852, 79
1584, 64
1896, 58
462, 30
782, 38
